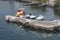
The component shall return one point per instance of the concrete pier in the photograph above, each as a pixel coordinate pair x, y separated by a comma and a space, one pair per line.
47, 26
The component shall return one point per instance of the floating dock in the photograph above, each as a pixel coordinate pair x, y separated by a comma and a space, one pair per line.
46, 26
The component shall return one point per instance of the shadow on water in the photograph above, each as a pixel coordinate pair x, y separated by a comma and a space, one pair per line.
43, 9
57, 12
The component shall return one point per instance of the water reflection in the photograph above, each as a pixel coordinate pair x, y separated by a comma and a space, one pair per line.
42, 9
57, 12
48, 12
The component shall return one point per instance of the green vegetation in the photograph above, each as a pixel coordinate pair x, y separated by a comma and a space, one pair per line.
57, 1
43, 1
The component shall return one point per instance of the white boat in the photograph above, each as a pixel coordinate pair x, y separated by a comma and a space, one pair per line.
40, 17
27, 17
30, 16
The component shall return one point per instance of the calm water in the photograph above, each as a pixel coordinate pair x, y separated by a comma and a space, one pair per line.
9, 31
